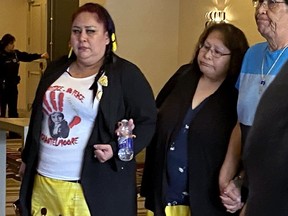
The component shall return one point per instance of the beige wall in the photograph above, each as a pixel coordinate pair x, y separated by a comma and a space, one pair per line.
13, 20
157, 35
147, 34
192, 21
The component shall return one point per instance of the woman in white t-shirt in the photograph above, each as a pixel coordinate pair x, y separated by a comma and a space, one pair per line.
73, 168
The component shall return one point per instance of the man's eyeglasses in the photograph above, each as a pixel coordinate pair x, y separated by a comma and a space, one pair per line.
214, 52
271, 4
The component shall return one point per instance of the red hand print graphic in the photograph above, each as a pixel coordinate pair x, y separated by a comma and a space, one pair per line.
53, 104
76, 120
53, 107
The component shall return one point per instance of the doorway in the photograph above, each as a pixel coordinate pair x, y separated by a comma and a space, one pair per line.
49, 24
37, 37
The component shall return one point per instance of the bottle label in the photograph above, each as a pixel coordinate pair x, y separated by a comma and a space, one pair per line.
125, 142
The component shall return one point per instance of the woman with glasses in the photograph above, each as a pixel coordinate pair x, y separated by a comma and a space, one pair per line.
261, 64
196, 114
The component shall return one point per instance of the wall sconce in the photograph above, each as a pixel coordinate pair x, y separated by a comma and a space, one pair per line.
215, 17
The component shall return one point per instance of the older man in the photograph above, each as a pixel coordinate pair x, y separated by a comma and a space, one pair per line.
261, 64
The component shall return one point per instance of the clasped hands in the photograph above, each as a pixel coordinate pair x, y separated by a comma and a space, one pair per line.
231, 196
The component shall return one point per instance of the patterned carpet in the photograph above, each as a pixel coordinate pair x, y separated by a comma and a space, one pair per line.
11, 195
12, 180
13, 183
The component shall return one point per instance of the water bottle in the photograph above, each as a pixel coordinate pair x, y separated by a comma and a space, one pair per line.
125, 142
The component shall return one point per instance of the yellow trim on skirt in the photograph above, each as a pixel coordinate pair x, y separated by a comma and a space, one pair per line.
58, 198
177, 210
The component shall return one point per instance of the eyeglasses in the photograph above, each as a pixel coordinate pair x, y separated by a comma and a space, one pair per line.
214, 52
271, 4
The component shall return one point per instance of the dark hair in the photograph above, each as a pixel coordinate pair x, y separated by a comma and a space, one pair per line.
6, 39
234, 39
102, 16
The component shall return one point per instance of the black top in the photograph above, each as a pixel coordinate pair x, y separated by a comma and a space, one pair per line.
10, 62
177, 163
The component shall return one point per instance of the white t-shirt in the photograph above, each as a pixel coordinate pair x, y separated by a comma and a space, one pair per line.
69, 113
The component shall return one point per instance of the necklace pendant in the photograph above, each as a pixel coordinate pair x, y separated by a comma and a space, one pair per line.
263, 76
261, 86
263, 82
